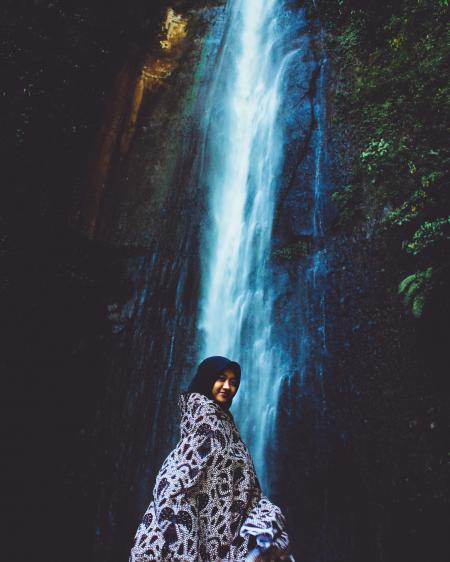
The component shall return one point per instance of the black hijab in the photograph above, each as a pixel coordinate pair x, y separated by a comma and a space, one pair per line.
208, 372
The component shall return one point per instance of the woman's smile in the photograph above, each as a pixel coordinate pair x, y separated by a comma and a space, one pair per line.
225, 386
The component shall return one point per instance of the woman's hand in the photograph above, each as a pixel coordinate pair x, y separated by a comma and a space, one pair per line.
271, 554
266, 551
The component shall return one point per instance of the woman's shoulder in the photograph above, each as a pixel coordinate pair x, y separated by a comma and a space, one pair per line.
192, 400
198, 406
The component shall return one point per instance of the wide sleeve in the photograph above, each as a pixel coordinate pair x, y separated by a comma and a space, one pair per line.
188, 463
266, 518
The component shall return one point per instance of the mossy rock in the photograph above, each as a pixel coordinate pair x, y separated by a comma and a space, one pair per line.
297, 250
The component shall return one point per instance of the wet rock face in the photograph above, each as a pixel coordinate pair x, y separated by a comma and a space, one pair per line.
153, 203
347, 473
359, 449
361, 446
105, 327
97, 325
148, 176
298, 121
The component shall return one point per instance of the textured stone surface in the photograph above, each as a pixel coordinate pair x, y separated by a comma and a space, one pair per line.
98, 334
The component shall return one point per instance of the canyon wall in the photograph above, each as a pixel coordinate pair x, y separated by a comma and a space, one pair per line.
100, 300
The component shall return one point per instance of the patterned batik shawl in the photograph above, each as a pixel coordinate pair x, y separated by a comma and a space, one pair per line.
207, 501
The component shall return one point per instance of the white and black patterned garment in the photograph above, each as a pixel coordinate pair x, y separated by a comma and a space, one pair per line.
207, 500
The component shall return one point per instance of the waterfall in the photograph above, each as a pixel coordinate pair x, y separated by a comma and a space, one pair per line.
242, 160
319, 259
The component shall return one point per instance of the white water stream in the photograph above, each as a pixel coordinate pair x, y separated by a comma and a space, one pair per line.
245, 156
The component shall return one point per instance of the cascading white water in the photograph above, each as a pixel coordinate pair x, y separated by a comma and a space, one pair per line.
244, 156
319, 259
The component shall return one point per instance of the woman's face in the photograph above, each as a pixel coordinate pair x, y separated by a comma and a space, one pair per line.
225, 387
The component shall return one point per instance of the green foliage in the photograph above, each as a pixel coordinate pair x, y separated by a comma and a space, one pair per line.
393, 97
427, 235
408, 211
415, 288
297, 250
349, 212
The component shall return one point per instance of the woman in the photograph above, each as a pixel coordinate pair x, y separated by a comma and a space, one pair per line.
207, 503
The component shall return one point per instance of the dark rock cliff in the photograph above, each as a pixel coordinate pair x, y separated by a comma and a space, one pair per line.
362, 424
100, 280
155, 204
96, 315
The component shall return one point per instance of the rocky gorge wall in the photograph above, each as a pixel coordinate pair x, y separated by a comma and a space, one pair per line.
152, 203
101, 278
348, 423
100, 321
362, 424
